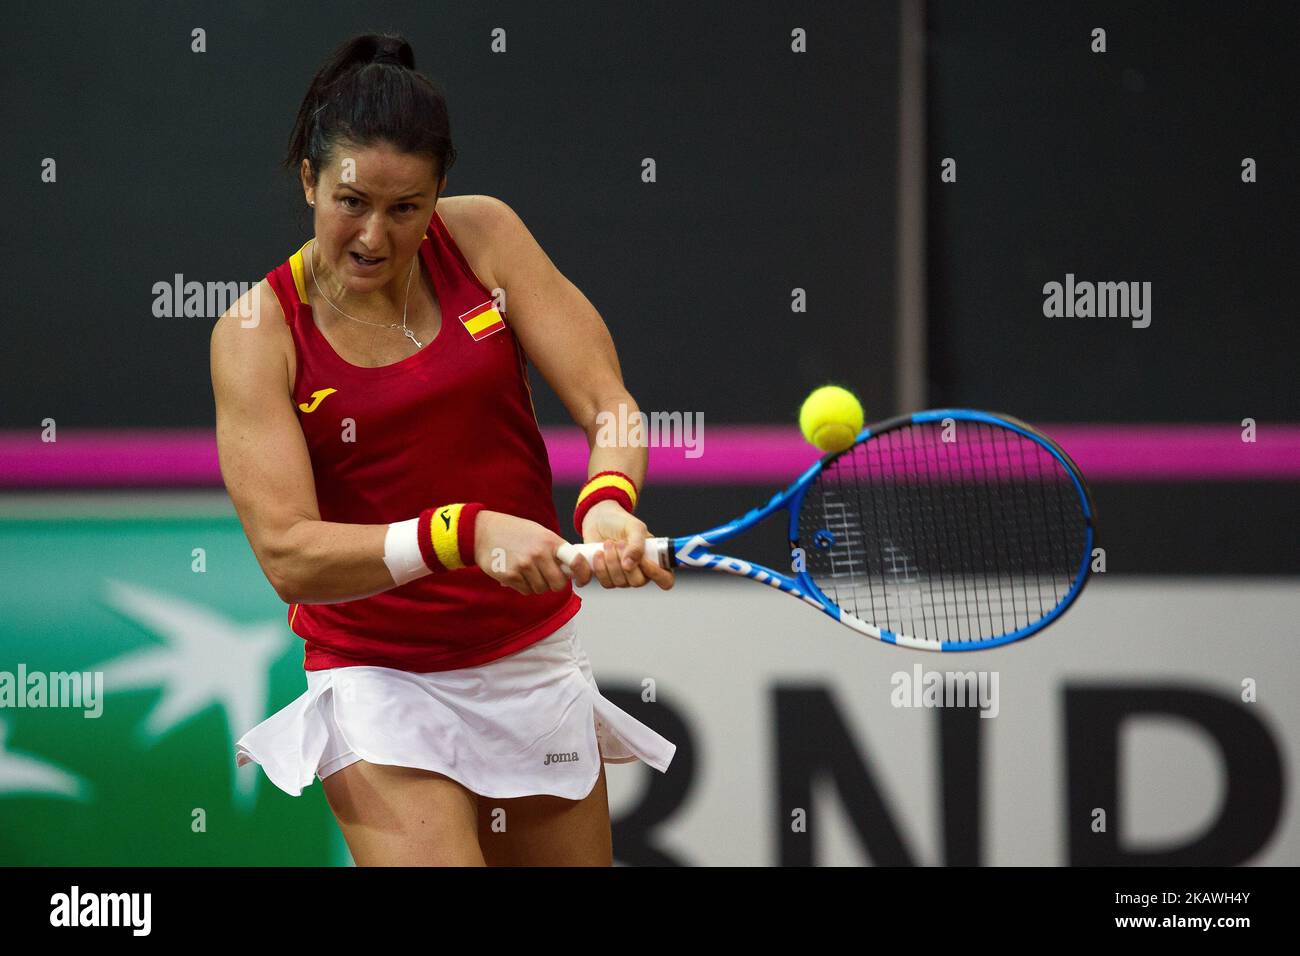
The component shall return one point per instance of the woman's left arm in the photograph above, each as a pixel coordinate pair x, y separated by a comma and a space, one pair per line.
565, 337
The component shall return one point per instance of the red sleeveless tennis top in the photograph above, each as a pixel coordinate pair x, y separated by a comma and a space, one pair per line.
453, 422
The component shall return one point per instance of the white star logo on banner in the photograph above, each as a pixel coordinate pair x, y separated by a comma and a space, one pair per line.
21, 774
207, 659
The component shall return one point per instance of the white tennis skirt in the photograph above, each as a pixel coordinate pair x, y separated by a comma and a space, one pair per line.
532, 722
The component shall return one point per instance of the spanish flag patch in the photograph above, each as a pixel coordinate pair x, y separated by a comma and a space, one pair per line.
482, 320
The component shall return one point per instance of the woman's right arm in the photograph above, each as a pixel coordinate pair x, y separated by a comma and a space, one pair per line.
267, 471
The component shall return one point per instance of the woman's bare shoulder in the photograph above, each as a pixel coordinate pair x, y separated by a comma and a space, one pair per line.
476, 222
253, 330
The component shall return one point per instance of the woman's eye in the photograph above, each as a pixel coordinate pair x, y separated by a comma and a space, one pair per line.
406, 207
347, 200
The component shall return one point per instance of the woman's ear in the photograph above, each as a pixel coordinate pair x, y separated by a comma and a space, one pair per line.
308, 185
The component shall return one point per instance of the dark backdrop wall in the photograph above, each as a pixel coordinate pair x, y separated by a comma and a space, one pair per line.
775, 172
1117, 166
1124, 166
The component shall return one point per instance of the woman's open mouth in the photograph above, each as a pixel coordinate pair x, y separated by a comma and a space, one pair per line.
364, 263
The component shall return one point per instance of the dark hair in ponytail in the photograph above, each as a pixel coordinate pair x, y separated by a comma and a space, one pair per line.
368, 91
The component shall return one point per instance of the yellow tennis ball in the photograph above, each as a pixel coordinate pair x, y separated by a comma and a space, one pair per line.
831, 418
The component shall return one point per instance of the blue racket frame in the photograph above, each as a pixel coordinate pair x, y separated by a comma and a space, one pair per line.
693, 550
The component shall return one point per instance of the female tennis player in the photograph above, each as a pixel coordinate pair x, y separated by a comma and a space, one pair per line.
378, 438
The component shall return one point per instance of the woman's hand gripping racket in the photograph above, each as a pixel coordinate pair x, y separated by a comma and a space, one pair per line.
947, 530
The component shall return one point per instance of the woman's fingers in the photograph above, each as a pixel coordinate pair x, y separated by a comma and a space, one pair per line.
601, 570
636, 577
614, 562
582, 572
608, 571
660, 576
534, 583
606, 566
552, 572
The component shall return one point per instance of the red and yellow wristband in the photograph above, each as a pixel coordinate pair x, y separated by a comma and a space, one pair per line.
446, 536
604, 486
440, 539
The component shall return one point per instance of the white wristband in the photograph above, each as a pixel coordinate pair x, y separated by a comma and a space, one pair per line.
402, 551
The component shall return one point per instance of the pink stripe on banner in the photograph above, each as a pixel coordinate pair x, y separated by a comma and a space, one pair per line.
161, 457
1181, 452
776, 454
725, 454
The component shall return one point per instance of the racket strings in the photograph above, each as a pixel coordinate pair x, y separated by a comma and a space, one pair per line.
954, 533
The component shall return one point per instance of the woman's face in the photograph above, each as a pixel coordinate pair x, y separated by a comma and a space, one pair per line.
372, 205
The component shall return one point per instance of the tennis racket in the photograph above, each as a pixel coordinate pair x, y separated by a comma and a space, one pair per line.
946, 530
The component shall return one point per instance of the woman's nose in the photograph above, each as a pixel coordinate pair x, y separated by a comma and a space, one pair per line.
372, 233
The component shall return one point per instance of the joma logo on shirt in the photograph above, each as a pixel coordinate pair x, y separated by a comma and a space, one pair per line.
559, 758
317, 397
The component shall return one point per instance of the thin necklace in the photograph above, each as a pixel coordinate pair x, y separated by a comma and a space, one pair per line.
311, 261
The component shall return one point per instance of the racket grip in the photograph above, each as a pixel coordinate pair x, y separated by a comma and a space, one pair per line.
656, 549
